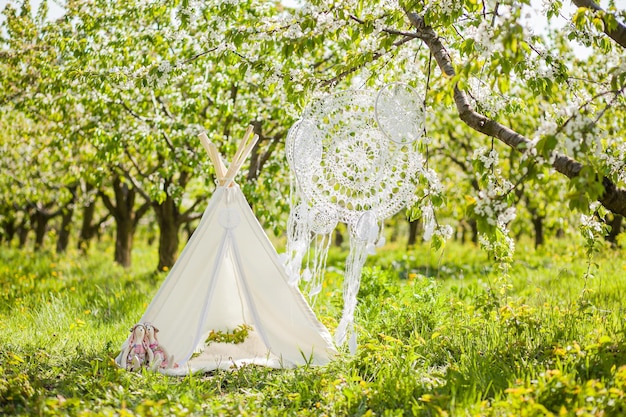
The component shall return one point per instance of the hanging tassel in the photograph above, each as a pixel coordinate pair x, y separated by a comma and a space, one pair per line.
352, 344
362, 241
298, 240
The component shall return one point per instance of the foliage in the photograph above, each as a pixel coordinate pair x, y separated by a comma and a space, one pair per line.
118, 91
435, 338
238, 335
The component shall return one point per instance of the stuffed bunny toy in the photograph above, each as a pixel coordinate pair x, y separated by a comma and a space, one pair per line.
160, 360
137, 351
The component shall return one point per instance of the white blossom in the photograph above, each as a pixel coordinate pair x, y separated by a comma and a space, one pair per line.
428, 220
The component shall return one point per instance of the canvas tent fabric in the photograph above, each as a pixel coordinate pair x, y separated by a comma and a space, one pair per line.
228, 275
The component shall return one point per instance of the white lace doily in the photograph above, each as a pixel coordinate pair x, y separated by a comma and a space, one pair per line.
342, 159
355, 159
399, 112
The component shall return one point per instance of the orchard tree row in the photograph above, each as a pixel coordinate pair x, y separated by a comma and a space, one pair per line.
101, 108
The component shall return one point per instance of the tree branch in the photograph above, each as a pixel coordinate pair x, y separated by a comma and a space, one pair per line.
133, 161
134, 182
196, 56
276, 139
166, 110
386, 30
108, 203
141, 211
132, 112
169, 143
189, 215
374, 58
613, 198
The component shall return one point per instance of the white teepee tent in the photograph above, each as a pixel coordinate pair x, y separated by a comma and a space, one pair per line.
228, 275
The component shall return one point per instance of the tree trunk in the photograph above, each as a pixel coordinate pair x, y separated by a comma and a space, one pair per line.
538, 225
22, 232
124, 234
40, 222
66, 221
168, 216
87, 228
468, 231
125, 222
189, 229
338, 238
40, 216
414, 227
87, 231
395, 231
126, 218
66, 225
474, 226
616, 228
9, 228
257, 158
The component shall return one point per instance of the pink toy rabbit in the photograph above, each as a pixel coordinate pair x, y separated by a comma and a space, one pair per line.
161, 359
137, 351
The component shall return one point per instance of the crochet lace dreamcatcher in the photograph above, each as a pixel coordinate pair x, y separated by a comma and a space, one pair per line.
355, 160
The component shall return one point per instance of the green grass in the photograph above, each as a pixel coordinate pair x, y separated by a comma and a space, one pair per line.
439, 334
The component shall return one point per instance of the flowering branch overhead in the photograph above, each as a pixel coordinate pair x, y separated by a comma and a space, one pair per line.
613, 198
613, 29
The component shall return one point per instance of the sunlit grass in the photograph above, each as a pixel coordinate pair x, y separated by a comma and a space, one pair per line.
439, 333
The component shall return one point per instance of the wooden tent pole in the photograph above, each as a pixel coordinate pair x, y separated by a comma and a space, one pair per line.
242, 144
214, 154
226, 176
246, 152
240, 156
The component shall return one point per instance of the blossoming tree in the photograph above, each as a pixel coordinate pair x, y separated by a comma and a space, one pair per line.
512, 112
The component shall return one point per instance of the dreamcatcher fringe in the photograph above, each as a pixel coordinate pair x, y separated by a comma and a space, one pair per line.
320, 256
352, 282
298, 241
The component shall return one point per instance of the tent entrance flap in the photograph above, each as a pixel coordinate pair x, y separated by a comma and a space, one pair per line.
226, 312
